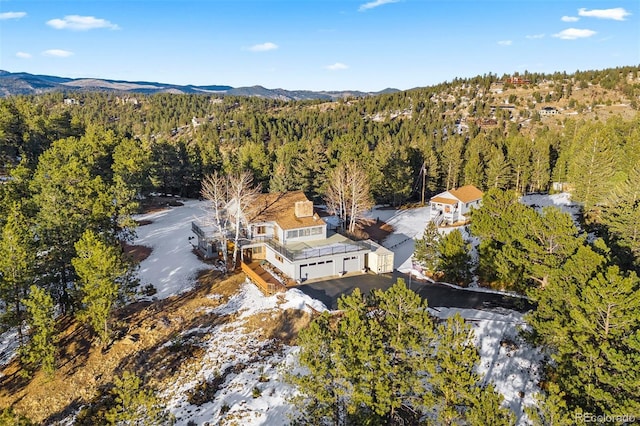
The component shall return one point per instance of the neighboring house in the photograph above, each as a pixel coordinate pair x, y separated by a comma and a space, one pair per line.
549, 111
452, 206
287, 236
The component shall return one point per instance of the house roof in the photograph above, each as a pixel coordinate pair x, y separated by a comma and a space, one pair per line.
464, 194
280, 208
443, 200
467, 193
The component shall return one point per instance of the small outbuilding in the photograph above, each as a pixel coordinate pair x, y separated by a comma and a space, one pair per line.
380, 259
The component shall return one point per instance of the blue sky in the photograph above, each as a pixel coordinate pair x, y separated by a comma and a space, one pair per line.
314, 44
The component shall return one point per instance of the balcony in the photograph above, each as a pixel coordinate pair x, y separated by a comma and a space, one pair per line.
336, 244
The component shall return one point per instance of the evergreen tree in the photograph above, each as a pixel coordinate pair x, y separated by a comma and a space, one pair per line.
455, 358
71, 195
40, 351
17, 264
486, 409
135, 405
381, 361
426, 248
622, 216
498, 170
100, 270
550, 409
593, 165
599, 366
455, 260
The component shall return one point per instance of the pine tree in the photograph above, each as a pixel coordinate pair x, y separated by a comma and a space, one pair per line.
455, 358
100, 270
497, 170
17, 263
487, 410
426, 248
599, 365
135, 405
41, 349
550, 409
454, 260
593, 165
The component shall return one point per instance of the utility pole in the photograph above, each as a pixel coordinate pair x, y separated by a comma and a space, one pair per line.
424, 177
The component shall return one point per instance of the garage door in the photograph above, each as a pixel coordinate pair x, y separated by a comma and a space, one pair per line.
314, 270
351, 264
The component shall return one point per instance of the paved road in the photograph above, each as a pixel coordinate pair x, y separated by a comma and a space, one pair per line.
437, 295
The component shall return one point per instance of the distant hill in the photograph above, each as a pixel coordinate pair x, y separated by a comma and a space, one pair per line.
31, 84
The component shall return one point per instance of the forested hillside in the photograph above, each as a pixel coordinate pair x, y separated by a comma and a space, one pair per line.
74, 167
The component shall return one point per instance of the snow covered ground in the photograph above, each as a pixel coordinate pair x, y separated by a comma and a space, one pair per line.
561, 200
172, 266
506, 360
244, 361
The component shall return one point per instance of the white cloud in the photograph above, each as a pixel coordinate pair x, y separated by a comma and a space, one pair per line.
12, 15
535, 36
58, 53
336, 67
574, 33
505, 42
617, 14
375, 3
264, 47
569, 19
81, 23
23, 55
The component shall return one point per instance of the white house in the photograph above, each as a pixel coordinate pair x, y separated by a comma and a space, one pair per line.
287, 236
452, 206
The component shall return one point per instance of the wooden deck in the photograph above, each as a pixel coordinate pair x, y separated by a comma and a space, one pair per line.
261, 278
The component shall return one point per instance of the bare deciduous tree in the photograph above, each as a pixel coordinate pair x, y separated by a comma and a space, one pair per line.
232, 202
348, 194
215, 189
242, 205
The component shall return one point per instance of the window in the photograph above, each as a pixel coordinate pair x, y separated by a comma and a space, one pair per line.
292, 234
261, 230
279, 258
304, 232
316, 231
257, 250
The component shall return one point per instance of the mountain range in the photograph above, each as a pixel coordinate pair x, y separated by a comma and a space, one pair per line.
21, 83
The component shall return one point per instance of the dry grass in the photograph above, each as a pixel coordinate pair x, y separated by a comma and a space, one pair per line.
281, 325
143, 329
159, 341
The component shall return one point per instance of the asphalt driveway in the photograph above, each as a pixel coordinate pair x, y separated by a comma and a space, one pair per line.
437, 295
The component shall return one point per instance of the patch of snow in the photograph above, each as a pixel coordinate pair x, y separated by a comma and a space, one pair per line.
242, 360
506, 359
296, 299
561, 200
9, 343
172, 265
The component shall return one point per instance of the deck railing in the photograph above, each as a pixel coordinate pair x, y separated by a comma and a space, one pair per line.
267, 287
310, 253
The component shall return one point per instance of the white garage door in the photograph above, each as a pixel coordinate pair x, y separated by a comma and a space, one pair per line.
314, 270
351, 264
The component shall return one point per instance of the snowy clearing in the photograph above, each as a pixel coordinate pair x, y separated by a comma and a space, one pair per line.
242, 361
171, 267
